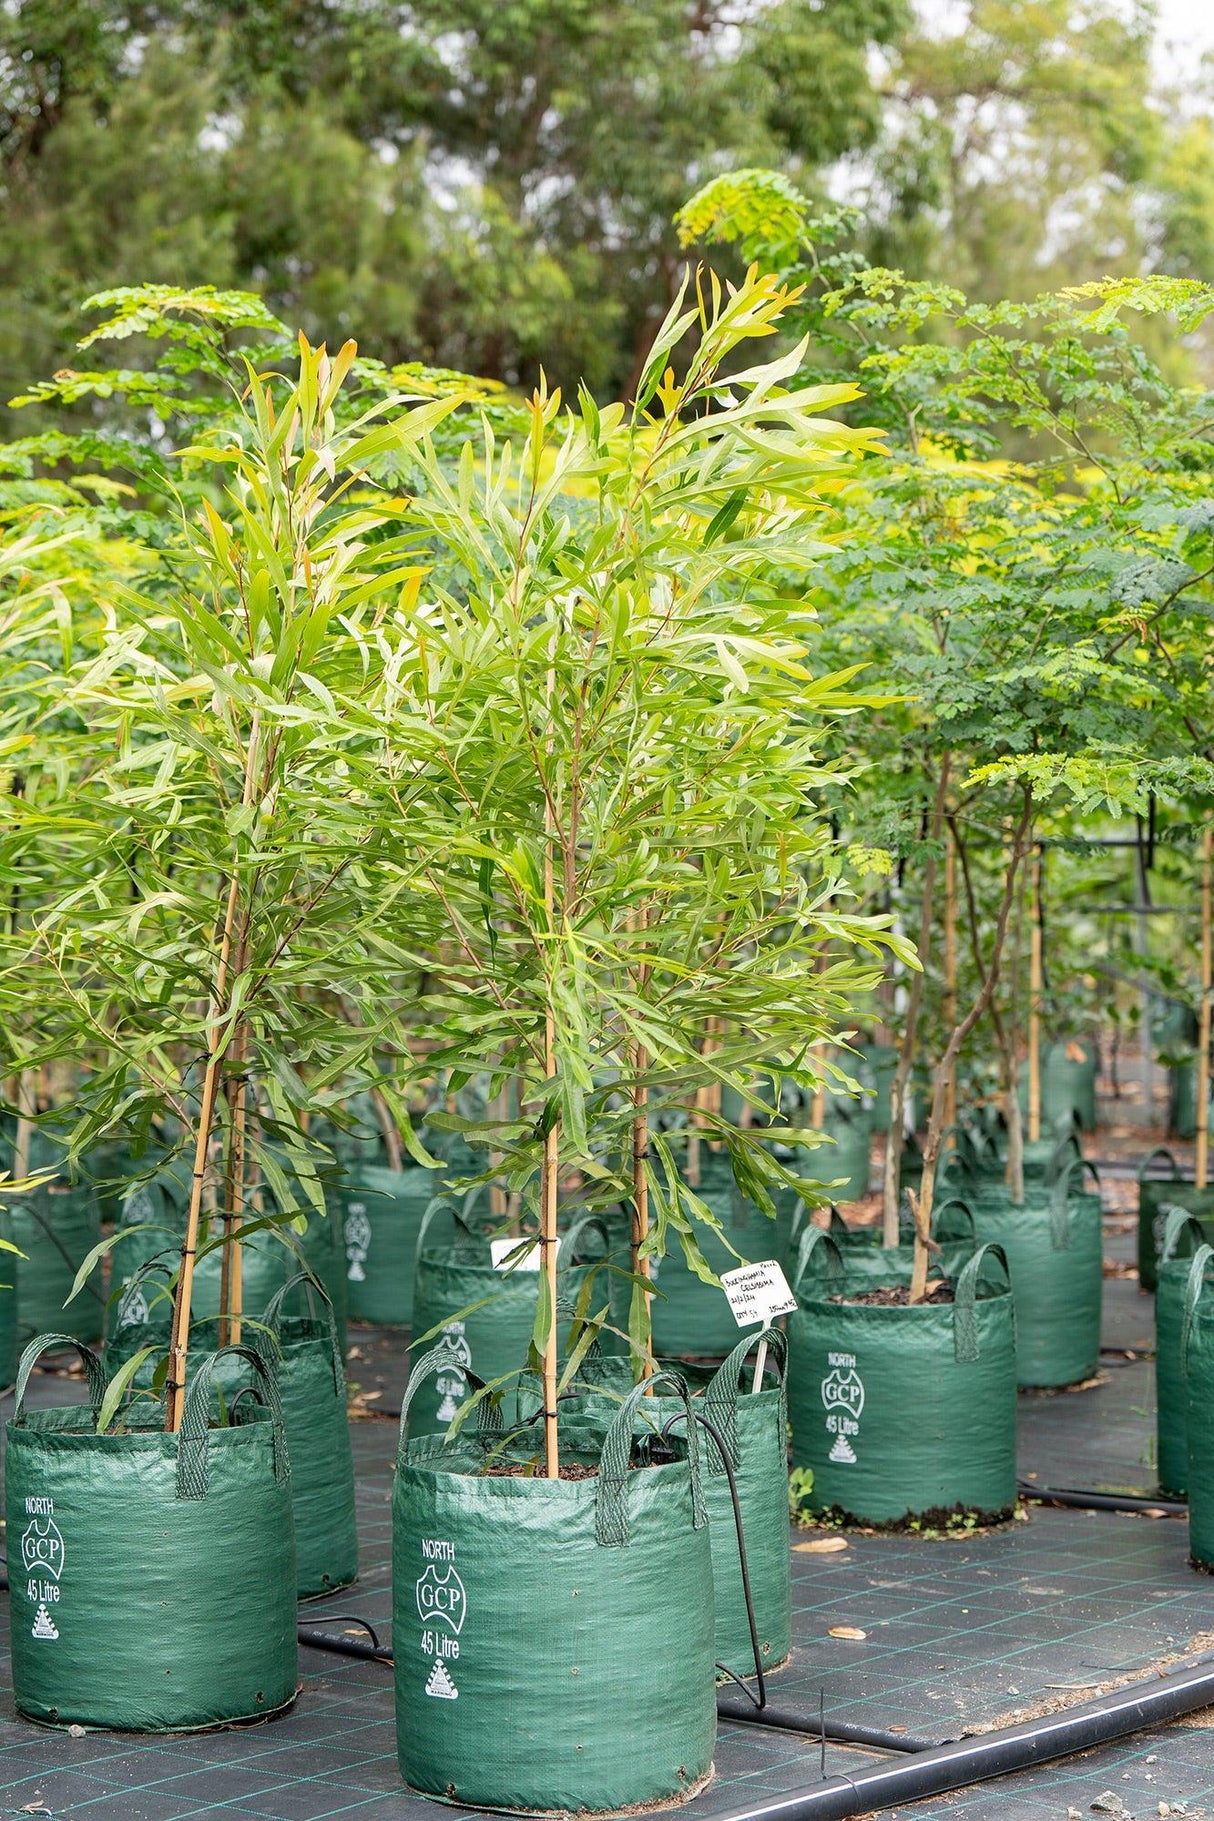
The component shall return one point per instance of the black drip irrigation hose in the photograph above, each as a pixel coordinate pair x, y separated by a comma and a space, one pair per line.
1079, 1499
837, 1732
996, 1754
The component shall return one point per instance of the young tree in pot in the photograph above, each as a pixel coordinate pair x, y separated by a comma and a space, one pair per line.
229, 748
632, 865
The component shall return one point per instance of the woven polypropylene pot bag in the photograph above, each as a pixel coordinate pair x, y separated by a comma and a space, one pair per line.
152, 1576
10, 1274
304, 1354
900, 1410
156, 1221
692, 1319
488, 1315
1068, 1082
1054, 1244
867, 1263
56, 1228
753, 1425
845, 1163
553, 1638
1183, 1237
382, 1213
1197, 1365
1155, 1188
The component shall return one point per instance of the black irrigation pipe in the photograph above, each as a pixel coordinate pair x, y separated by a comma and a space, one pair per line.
1078, 1499
996, 1754
837, 1732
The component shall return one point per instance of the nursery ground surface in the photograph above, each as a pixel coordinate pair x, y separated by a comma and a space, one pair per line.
960, 1633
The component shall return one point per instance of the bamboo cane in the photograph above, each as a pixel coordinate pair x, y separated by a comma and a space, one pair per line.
218, 1047
231, 1273
640, 1158
27, 1106
1201, 1170
1035, 987
551, 1160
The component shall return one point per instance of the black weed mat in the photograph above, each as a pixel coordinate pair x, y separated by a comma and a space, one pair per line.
958, 1633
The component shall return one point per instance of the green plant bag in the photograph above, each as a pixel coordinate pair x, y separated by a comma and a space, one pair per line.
904, 1411
848, 1158
1183, 1236
866, 1262
382, 1214
487, 1315
152, 1576
1197, 1366
754, 1427
157, 1218
1153, 1192
553, 1639
1068, 1084
56, 1228
881, 1064
304, 1355
10, 1290
1054, 1243
692, 1319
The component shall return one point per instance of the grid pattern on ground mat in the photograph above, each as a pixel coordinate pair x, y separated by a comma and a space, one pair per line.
958, 1632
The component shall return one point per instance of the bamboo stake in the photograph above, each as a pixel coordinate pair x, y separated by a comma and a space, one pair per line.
551, 1161
1035, 987
27, 1106
218, 1046
1201, 1170
950, 973
640, 1158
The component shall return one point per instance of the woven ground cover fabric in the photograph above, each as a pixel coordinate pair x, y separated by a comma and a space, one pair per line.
152, 1576
381, 1213
553, 1639
1161, 1183
1054, 1246
900, 1410
56, 1228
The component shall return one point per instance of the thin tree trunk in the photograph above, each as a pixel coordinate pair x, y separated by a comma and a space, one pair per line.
640, 1176
950, 972
906, 1055
231, 1275
1035, 986
388, 1131
1203, 1023
1005, 1036
921, 1204
551, 1160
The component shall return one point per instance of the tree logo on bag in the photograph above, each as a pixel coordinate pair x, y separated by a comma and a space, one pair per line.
133, 1309
358, 1241
440, 1598
42, 1548
450, 1383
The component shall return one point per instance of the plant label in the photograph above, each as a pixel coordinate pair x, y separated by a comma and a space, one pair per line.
508, 1254
758, 1293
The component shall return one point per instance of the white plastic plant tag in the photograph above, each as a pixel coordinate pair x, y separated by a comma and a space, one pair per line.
507, 1254
758, 1293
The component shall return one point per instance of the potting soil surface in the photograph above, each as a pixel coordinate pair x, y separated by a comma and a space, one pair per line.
958, 1633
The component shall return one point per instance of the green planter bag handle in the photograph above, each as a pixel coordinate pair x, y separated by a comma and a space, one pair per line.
1183, 1237
1153, 1191
813, 1240
94, 1371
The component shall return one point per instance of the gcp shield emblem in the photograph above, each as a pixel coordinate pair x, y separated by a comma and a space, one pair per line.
42, 1548
440, 1598
842, 1389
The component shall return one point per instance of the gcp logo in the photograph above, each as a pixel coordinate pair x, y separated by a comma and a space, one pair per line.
440, 1598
